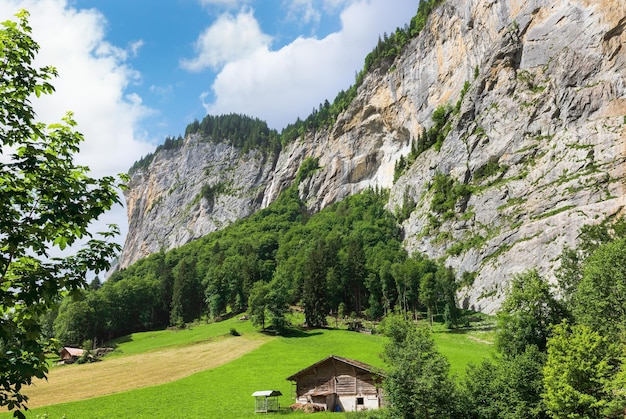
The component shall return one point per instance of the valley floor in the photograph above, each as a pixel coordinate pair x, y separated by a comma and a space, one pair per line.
206, 371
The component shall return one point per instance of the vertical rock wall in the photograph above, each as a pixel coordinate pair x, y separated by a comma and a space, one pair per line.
538, 142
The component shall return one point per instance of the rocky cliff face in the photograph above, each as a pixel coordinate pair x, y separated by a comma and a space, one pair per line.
535, 148
189, 192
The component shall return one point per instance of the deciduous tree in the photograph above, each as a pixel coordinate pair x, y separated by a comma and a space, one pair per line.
527, 314
417, 382
47, 203
583, 376
507, 388
600, 299
257, 304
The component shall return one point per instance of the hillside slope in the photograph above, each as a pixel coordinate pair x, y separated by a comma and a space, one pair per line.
533, 149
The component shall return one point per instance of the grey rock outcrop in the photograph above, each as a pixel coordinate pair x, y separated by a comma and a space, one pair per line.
537, 144
189, 192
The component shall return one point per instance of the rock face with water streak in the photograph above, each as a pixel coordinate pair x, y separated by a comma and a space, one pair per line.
189, 192
535, 145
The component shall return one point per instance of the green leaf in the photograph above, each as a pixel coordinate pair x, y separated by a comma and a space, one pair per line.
61, 242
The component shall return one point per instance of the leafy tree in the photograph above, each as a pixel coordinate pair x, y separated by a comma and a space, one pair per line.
215, 291
600, 298
75, 323
417, 382
186, 294
591, 237
269, 301
511, 386
277, 303
234, 276
508, 388
314, 290
46, 204
527, 314
583, 376
257, 304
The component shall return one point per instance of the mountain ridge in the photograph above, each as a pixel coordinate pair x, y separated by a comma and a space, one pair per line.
534, 146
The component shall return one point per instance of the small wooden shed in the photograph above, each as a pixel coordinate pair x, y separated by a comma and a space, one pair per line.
69, 355
339, 384
266, 401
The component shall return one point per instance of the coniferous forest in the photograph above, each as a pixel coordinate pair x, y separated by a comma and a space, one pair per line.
347, 259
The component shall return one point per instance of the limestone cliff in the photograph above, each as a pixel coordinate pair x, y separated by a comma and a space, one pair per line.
535, 140
189, 192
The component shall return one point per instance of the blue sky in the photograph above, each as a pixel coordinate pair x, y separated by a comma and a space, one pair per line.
135, 71
169, 33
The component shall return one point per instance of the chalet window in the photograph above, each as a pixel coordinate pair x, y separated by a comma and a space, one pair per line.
359, 401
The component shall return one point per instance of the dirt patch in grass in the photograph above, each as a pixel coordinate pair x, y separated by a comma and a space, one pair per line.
114, 375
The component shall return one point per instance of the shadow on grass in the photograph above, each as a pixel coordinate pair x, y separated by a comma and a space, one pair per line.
470, 329
291, 333
117, 341
113, 343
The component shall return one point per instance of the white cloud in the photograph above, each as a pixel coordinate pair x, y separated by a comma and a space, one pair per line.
164, 92
92, 81
134, 47
281, 85
331, 5
304, 11
228, 39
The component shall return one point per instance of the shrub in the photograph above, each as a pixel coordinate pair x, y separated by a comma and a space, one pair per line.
308, 166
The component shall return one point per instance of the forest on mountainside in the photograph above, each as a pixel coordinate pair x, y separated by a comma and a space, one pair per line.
560, 346
344, 260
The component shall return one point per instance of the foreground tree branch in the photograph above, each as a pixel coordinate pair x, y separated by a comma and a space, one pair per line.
47, 203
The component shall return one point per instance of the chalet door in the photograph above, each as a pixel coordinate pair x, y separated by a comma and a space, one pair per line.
331, 403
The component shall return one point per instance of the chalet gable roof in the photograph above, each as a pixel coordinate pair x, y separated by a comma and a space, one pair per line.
72, 351
334, 358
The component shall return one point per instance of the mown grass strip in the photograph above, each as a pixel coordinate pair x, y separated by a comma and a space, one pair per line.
79, 382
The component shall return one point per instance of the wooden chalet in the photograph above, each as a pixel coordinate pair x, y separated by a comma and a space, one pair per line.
339, 384
69, 355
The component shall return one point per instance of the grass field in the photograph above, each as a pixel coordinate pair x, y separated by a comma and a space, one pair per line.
226, 371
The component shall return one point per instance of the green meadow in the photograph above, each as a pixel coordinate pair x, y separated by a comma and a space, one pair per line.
225, 391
